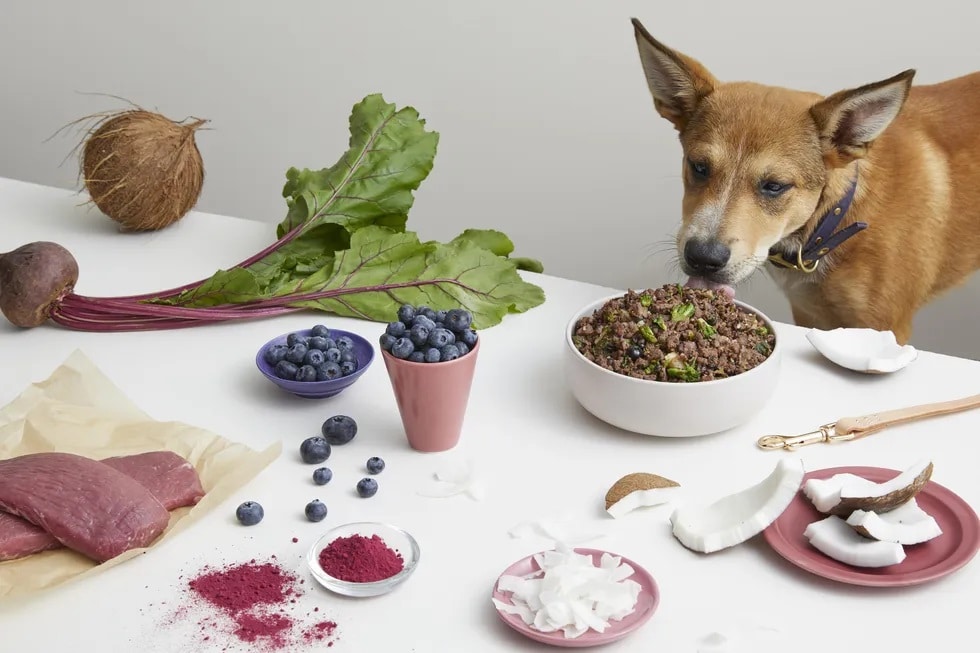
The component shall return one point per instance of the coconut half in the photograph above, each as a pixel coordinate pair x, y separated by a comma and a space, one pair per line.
842, 494
834, 538
907, 524
735, 518
639, 490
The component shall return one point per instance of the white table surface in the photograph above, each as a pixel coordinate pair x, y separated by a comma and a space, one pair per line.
538, 453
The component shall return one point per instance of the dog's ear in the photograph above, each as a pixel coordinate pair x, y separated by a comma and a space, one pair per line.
849, 121
677, 82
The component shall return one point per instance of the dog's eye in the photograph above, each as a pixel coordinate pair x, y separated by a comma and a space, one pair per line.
772, 188
699, 169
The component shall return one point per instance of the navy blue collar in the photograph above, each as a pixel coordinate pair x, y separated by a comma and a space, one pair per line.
824, 238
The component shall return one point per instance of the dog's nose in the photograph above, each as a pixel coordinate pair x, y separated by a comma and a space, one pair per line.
706, 256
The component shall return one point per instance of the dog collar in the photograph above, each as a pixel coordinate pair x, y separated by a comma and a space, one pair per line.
824, 238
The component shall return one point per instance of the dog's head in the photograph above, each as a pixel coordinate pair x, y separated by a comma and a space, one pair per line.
756, 158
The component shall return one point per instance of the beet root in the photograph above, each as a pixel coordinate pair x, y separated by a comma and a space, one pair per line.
33, 279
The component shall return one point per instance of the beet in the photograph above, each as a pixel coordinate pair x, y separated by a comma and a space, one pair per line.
33, 279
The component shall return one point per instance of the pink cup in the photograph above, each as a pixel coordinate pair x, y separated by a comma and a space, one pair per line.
432, 398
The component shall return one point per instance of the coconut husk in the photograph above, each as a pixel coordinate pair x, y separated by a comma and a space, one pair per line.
142, 169
885, 502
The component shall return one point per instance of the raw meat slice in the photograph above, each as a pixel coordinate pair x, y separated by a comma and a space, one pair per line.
167, 475
19, 538
84, 504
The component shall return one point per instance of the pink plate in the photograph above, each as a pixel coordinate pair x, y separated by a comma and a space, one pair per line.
646, 604
924, 562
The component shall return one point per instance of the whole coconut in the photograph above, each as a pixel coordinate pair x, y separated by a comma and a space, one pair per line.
142, 169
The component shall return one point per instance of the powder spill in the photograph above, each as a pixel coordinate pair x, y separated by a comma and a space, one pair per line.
359, 559
253, 603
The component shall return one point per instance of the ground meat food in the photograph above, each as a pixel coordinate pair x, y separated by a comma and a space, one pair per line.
674, 333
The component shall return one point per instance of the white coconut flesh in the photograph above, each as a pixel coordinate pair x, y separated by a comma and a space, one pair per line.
844, 493
834, 538
570, 593
642, 499
737, 517
907, 524
824, 493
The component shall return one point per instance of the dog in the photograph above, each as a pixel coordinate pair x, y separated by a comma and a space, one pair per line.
864, 205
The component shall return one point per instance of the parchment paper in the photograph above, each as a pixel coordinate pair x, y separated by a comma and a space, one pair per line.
78, 410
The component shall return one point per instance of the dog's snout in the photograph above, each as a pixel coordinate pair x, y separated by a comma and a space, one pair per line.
706, 256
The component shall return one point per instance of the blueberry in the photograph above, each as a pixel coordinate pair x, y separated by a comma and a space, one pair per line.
331, 344
419, 334
402, 348
297, 353
367, 487
328, 372
469, 337
429, 313
286, 370
344, 342
441, 337
406, 313
431, 355
295, 338
316, 510
458, 319
339, 429
275, 353
417, 357
375, 465
314, 357
634, 352
440, 316
425, 321
420, 310
462, 348
318, 342
348, 356
396, 329
322, 475
347, 368
321, 331
332, 355
250, 513
314, 450
449, 353
306, 373
387, 340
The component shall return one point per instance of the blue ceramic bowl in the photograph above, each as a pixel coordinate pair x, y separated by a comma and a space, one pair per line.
363, 349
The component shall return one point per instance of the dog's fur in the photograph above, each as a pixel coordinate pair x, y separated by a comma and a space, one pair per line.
915, 149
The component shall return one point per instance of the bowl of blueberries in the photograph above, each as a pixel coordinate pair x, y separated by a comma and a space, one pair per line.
315, 363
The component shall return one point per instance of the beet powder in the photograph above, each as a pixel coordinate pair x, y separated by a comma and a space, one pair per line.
359, 559
244, 586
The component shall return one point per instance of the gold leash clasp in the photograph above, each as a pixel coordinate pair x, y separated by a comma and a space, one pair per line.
807, 267
826, 433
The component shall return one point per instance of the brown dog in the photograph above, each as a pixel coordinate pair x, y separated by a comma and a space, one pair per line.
865, 204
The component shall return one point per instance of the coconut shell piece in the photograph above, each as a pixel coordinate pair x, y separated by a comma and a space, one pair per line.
884, 502
643, 490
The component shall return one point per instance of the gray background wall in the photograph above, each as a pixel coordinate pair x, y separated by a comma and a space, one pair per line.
547, 129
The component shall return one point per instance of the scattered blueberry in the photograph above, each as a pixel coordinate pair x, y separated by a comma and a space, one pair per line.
448, 353
406, 313
344, 342
294, 339
417, 357
306, 373
375, 465
316, 510
275, 353
314, 357
432, 355
286, 370
297, 353
458, 319
469, 337
439, 338
387, 340
319, 342
347, 368
462, 348
367, 487
332, 355
314, 450
396, 329
329, 372
320, 330
402, 348
250, 513
322, 475
339, 429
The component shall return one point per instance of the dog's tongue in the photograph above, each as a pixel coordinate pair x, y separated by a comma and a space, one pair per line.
699, 282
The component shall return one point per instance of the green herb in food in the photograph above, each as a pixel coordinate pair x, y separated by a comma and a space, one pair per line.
681, 312
645, 299
706, 329
647, 333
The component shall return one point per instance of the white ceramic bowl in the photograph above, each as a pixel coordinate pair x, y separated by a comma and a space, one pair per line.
669, 409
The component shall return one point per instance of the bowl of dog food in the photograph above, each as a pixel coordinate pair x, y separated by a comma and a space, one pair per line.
672, 361
315, 363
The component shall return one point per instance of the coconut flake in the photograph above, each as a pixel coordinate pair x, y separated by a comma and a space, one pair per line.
452, 478
566, 532
571, 593
834, 538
